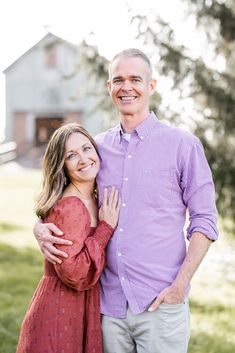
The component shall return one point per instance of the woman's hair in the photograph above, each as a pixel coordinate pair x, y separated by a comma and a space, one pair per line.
54, 173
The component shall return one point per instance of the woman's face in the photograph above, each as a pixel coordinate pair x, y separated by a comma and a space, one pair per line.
81, 159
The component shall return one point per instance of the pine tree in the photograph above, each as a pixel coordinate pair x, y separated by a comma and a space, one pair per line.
211, 89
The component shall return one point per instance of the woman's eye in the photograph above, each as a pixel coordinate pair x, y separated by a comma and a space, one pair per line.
87, 148
70, 156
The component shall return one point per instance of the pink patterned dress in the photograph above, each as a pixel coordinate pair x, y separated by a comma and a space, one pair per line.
64, 314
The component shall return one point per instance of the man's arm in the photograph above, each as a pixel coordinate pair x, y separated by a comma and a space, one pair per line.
198, 195
198, 247
43, 234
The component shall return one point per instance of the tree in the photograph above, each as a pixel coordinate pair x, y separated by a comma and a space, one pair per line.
211, 89
97, 70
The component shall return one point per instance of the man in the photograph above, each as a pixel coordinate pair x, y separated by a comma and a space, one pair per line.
160, 172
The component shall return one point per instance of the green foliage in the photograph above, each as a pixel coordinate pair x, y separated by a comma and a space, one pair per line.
20, 270
212, 305
21, 266
212, 90
217, 10
97, 68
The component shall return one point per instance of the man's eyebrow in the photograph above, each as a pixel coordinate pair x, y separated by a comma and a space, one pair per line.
136, 76
117, 78
131, 76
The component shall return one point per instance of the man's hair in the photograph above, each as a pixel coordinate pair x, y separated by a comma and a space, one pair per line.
133, 53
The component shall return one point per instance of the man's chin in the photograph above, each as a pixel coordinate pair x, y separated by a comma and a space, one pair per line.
127, 110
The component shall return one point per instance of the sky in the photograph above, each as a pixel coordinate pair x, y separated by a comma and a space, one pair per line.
24, 22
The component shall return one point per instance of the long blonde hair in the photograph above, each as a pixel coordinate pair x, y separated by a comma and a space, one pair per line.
55, 178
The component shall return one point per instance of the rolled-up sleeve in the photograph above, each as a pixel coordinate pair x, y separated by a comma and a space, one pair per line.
199, 192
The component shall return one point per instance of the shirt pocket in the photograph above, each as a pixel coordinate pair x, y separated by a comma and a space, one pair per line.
156, 187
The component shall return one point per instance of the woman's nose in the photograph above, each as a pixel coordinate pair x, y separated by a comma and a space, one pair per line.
82, 159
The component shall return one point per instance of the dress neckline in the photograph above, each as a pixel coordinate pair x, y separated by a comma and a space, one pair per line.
84, 206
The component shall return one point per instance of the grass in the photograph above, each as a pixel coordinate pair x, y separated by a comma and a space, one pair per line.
20, 270
212, 297
212, 301
18, 189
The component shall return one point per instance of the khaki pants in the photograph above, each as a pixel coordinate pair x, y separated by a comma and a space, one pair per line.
165, 330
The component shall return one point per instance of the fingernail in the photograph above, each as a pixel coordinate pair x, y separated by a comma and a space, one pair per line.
150, 309
59, 262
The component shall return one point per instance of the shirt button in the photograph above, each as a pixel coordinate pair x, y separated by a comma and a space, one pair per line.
119, 254
121, 229
122, 278
124, 205
129, 156
126, 179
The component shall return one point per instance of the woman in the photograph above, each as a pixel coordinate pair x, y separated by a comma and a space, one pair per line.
64, 314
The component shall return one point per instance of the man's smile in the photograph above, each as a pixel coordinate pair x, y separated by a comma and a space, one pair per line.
127, 98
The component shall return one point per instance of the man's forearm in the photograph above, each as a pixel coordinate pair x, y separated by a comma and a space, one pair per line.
36, 227
198, 247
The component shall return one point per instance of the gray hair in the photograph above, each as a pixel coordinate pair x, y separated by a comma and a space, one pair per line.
133, 53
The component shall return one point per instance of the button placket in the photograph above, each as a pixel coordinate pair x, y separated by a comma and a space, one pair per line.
127, 169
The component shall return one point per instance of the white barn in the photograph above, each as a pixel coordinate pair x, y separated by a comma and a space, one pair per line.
46, 87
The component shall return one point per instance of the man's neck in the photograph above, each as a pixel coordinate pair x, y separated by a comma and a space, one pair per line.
130, 122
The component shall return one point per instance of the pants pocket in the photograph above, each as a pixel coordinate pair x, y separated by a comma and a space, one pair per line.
175, 330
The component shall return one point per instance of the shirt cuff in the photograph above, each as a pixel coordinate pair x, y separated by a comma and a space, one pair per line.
205, 228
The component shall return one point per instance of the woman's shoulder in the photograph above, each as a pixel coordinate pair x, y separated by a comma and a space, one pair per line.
70, 203
69, 200
68, 206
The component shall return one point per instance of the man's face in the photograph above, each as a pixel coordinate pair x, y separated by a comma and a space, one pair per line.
130, 85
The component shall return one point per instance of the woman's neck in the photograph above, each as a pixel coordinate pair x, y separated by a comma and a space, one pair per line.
83, 190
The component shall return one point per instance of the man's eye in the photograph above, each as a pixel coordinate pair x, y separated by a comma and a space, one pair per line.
117, 82
135, 80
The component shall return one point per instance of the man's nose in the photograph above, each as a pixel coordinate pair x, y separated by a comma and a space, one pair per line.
126, 85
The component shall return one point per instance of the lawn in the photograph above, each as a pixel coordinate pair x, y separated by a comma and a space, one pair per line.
212, 296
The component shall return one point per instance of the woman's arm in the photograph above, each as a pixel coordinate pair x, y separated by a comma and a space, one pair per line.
86, 257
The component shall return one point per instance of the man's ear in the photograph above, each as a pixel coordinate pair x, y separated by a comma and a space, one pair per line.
108, 86
152, 86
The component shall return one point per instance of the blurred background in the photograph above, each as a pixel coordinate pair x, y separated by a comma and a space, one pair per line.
54, 66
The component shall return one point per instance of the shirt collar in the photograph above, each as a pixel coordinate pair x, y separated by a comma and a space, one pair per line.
120, 132
143, 129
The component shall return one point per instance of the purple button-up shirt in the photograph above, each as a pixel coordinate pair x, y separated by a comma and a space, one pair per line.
160, 173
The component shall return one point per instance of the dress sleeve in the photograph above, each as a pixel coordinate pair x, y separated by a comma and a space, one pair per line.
86, 257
